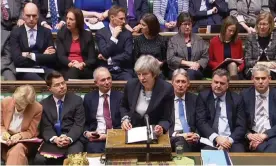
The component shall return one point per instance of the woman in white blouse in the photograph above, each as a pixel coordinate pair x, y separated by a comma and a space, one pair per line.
21, 115
148, 94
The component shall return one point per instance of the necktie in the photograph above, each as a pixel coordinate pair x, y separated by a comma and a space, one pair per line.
32, 40
106, 112
260, 114
58, 124
182, 116
131, 9
53, 12
5, 12
218, 111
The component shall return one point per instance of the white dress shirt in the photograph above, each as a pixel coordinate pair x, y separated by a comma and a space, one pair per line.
16, 122
266, 106
101, 127
203, 6
223, 125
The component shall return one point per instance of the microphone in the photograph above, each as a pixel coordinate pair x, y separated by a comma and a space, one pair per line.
147, 122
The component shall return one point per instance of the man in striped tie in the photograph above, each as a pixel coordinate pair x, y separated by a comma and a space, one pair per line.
260, 108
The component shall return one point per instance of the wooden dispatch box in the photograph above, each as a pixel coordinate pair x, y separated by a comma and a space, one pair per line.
117, 148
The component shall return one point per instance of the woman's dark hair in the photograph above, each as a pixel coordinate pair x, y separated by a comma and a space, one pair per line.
183, 17
79, 18
228, 21
152, 23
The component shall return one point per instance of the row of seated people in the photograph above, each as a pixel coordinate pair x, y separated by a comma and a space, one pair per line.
230, 121
205, 12
31, 45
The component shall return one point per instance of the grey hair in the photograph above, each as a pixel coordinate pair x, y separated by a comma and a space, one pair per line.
180, 71
221, 73
95, 73
147, 63
260, 67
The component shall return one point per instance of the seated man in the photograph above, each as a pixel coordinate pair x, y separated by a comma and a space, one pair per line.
102, 109
185, 118
220, 116
135, 10
260, 105
62, 121
115, 46
32, 45
50, 8
11, 17
207, 12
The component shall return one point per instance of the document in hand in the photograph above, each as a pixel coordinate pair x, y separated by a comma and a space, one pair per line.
227, 61
31, 140
139, 135
215, 157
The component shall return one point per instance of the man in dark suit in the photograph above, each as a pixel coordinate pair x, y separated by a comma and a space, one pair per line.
59, 11
62, 121
184, 132
32, 45
207, 12
10, 17
135, 10
102, 109
260, 105
115, 46
220, 116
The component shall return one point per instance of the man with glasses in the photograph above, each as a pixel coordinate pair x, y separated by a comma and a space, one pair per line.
62, 122
32, 45
260, 105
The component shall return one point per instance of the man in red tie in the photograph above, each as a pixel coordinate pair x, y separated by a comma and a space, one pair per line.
102, 109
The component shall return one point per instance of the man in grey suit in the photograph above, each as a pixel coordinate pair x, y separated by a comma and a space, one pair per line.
10, 17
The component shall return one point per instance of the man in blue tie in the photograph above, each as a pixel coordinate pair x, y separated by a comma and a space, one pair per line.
53, 12
184, 118
32, 45
220, 115
62, 122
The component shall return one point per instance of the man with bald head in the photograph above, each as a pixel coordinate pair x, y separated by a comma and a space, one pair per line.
32, 45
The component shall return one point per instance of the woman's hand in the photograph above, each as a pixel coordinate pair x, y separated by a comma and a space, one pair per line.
14, 139
126, 125
158, 130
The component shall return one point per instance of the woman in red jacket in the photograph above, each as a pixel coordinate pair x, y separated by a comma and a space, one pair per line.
225, 50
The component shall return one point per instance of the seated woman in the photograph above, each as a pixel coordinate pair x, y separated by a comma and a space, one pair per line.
167, 11
94, 11
187, 50
20, 118
75, 47
225, 50
150, 42
260, 47
149, 95
246, 12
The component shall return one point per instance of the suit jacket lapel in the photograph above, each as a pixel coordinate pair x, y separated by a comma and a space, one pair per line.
26, 119
271, 107
184, 51
53, 108
68, 41
229, 111
112, 106
188, 109
136, 92
65, 107
9, 114
155, 96
194, 47
39, 37
11, 6
95, 104
212, 108
251, 103
24, 37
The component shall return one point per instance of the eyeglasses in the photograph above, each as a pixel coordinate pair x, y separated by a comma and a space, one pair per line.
263, 24
185, 24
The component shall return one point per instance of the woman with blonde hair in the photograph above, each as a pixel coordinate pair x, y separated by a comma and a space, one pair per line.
20, 116
260, 47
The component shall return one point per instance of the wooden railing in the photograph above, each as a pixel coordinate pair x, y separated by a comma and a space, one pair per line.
86, 86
